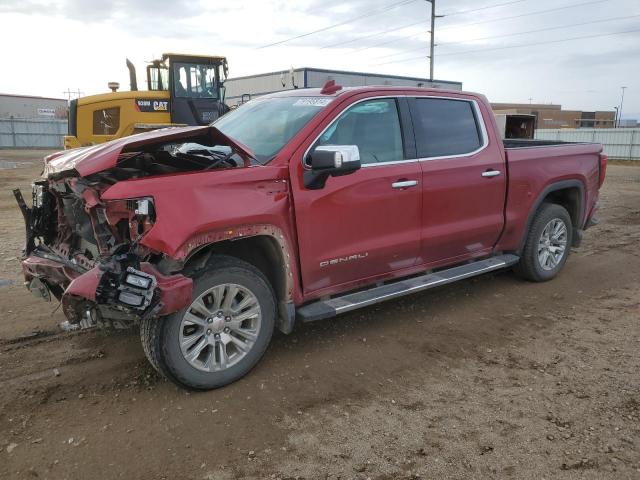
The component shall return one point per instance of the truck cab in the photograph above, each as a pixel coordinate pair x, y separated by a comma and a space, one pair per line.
181, 90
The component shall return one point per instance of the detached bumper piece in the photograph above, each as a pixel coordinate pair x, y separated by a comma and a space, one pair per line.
26, 213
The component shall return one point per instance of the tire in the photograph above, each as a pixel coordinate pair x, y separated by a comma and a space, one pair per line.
534, 265
209, 344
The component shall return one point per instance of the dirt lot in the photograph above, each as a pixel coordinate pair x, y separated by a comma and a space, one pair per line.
489, 378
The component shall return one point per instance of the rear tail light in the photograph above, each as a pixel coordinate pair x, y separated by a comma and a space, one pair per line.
603, 167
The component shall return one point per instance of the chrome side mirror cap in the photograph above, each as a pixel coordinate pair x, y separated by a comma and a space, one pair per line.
330, 160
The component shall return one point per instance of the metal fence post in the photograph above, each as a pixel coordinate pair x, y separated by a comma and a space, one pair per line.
13, 131
633, 135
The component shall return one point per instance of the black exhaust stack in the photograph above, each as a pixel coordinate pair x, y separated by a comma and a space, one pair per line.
132, 76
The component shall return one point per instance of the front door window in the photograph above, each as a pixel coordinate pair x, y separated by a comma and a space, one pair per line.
374, 126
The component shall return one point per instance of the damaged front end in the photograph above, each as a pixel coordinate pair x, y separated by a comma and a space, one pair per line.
86, 252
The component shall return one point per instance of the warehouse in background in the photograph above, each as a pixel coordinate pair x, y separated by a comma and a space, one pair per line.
32, 122
242, 89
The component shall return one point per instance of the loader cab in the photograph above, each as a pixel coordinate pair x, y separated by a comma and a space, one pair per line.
181, 90
195, 84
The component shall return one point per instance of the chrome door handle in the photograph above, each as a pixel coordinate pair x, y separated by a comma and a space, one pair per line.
491, 173
404, 184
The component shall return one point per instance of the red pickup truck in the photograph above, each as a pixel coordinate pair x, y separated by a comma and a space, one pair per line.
299, 205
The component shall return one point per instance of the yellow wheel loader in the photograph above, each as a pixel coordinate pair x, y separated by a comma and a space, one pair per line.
182, 90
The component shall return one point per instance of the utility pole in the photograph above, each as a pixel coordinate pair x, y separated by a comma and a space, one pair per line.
433, 35
70, 93
621, 103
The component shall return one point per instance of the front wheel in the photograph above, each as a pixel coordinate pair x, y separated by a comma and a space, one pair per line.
547, 245
223, 333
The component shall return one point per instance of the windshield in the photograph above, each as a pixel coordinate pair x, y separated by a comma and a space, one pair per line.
192, 80
266, 125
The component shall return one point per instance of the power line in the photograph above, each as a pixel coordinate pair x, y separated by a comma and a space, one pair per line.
515, 46
387, 42
421, 22
523, 14
544, 29
486, 7
486, 21
544, 43
344, 22
522, 33
492, 20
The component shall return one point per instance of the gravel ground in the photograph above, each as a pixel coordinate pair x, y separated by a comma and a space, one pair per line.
488, 378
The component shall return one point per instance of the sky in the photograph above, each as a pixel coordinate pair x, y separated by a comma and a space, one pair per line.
578, 53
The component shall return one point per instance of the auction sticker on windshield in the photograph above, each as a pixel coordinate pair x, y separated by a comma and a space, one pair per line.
312, 102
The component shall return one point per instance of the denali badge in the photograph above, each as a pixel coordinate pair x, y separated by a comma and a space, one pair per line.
335, 261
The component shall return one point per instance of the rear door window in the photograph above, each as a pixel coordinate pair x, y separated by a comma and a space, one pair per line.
445, 127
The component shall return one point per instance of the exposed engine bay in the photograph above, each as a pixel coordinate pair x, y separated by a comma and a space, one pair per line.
86, 252
171, 158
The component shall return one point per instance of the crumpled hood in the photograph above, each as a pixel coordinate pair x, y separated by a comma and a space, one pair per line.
97, 158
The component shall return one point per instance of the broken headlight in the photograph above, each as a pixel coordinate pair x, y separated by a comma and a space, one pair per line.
137, 280
137, 289
141, 206
132, 218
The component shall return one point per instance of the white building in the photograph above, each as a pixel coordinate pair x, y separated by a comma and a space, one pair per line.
32, 108
241, 89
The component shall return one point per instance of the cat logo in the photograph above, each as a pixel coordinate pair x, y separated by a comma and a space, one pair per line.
160, 105
144, 105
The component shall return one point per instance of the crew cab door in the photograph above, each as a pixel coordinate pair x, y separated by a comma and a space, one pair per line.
366, 223
463, 179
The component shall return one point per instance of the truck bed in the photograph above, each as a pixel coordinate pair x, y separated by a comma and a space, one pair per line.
527, 143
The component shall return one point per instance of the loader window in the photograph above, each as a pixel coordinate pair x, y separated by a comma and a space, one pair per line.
192, 80
106, 121
158, 78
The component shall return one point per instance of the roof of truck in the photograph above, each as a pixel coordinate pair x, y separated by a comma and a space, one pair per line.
313, 92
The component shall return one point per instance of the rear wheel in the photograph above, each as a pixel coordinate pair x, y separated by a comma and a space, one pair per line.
547, 245
221, 335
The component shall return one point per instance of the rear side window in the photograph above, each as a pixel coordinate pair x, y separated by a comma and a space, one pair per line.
445, 127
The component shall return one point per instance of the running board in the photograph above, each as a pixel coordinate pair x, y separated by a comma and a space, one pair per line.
334, 306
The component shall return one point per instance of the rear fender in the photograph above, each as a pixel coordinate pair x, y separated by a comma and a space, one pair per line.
548, 190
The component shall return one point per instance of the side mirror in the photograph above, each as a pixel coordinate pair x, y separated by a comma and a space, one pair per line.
330, 160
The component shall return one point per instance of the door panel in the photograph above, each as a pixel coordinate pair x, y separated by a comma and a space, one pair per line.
462, 211
366, 223
359, 225
463, 181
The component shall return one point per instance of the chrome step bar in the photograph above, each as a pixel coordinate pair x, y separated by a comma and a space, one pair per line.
322, 309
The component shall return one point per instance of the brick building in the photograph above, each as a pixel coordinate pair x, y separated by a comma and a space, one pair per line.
553, 116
